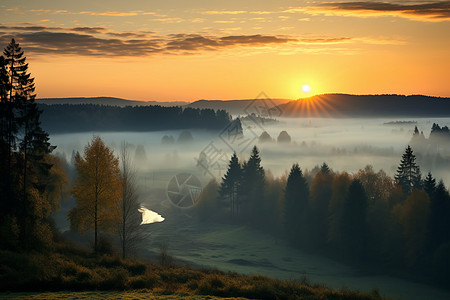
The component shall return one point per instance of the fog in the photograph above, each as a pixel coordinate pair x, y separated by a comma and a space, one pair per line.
344, 144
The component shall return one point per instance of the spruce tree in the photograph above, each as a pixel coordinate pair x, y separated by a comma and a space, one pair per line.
354, 226
325, 169
408, 172
5, 151
24, 146
252, 186
230, 184
439, 221
429, 185
320, 197
296, 205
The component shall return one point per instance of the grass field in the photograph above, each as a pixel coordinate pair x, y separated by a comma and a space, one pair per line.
247, 251
136, 295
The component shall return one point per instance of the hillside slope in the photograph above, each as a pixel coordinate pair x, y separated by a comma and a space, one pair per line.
343, 105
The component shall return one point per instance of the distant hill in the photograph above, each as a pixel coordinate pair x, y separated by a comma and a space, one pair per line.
106, 101
326, 105
239, 107
343, 105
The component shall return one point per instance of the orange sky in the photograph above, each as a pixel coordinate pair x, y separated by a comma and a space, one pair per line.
190, 50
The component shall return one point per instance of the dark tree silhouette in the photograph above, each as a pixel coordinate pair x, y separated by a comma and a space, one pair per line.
325, 169
24, 146
408, 172
439, 221
429, 185
354, 226
320, 196
265, 138
296, 206
6, 133
185, 137
284, 137
62, 118
252, 186
230, 185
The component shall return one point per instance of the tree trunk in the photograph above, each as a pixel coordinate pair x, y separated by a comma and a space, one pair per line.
95, 226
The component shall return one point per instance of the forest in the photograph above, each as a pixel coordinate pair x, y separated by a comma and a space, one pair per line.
63, 118
367, 219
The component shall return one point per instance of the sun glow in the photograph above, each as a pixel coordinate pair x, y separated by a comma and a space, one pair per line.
315, 106
306, 88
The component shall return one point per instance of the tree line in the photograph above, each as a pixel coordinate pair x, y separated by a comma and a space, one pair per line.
33, 181
366, 218
64, 118
439, 137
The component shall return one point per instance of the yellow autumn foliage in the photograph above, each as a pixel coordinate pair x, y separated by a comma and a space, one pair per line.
97, 189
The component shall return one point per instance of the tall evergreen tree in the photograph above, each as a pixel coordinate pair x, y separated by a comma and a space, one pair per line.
354, 226
230, 185
24, 168
252, 185
296, 205
324, 168
439, 221
5, 151
408, 172
429, 184
320, 196
339, 189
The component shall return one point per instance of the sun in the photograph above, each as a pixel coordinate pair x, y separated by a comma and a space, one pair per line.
306, 88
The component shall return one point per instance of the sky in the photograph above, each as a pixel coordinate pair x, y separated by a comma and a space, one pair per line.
181, 50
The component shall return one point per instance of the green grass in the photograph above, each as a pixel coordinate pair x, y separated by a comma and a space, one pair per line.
70, 269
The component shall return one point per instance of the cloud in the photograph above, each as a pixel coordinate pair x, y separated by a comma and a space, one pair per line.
82, 44
99, 41
100, 13
128, 35
169, 20
224, 12
326, 40
111, 13
430, 11
90, 30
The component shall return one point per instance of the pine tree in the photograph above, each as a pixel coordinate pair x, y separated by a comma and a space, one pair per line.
252, 186
230, 184
24, 168
320, 196
5, 151
408, 173
354, 226
296, 205
429, 184
439, 221
325, 169
339, 194
21, 85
